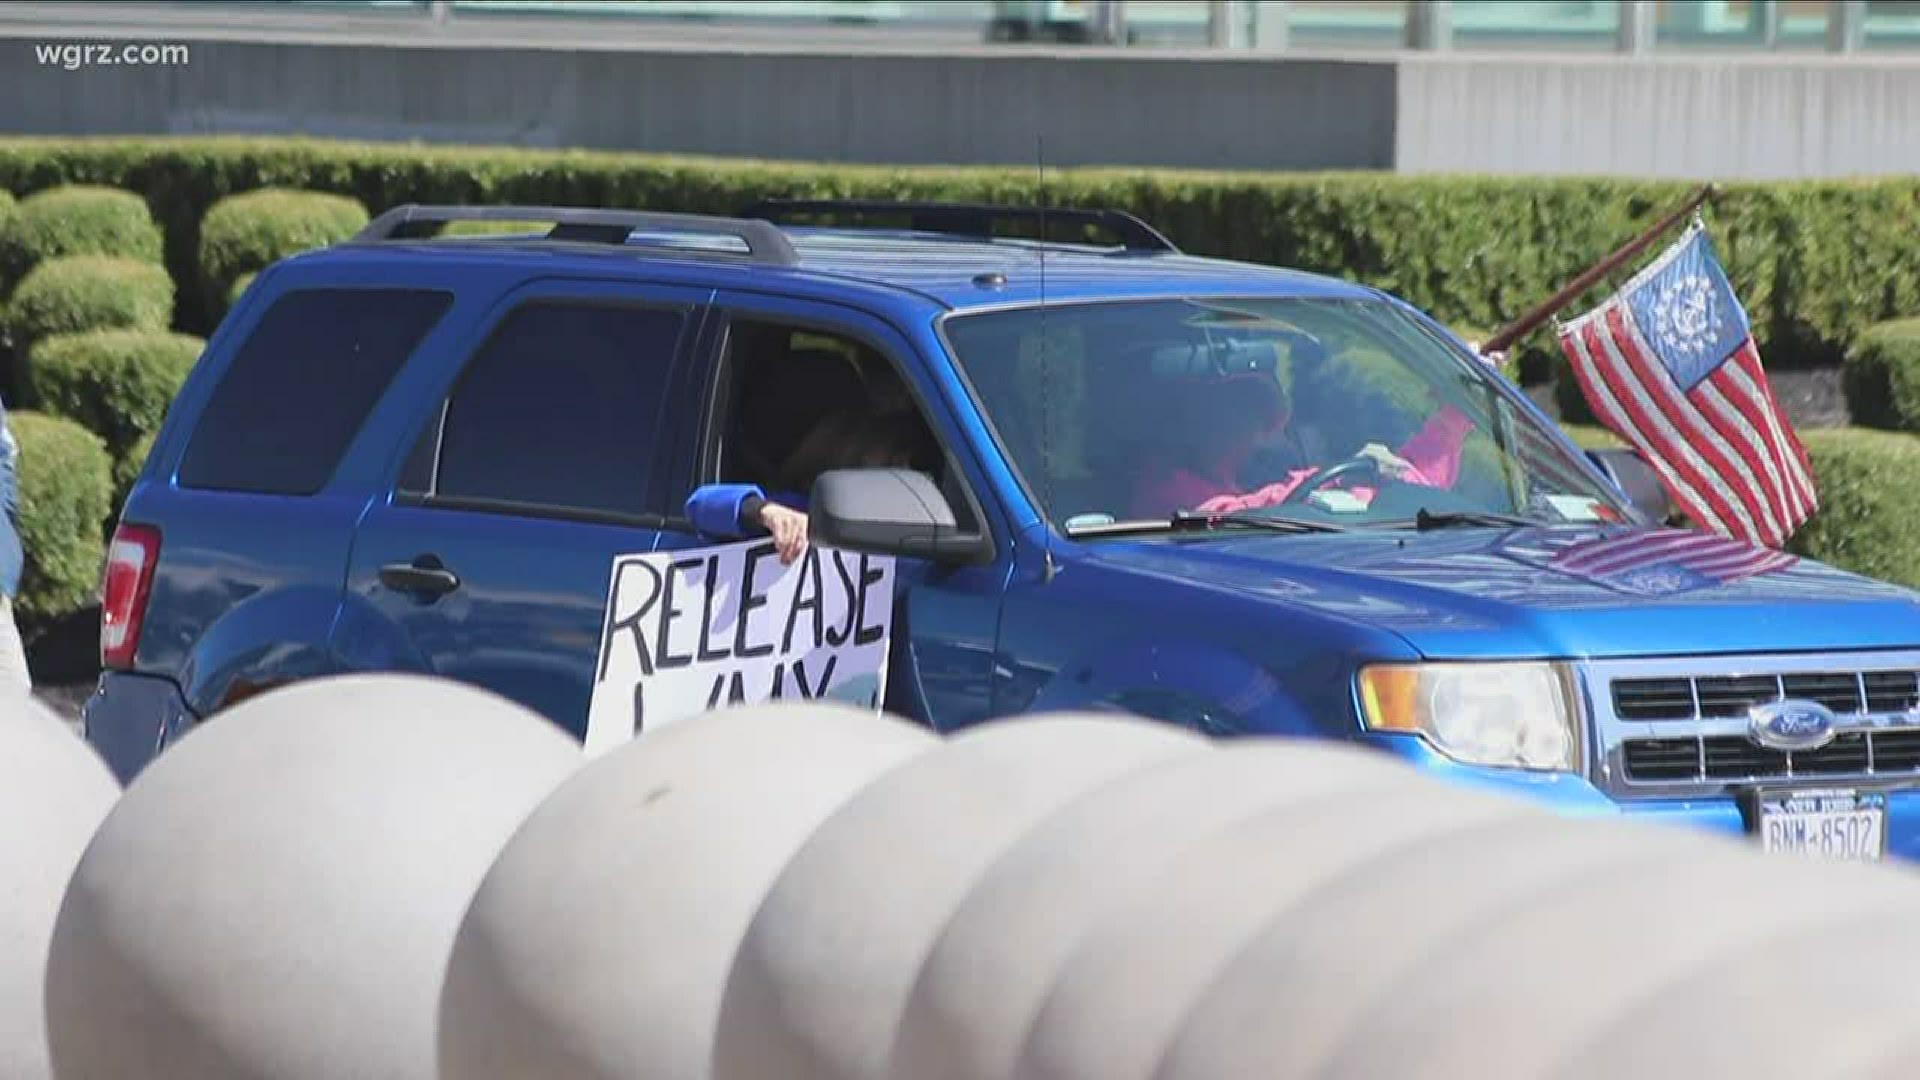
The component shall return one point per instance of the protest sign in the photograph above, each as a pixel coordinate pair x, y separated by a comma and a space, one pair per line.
702, 628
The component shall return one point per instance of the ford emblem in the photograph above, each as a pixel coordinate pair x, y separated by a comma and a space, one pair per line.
1791, 726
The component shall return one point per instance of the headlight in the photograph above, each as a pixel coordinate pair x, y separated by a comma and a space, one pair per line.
1515, 715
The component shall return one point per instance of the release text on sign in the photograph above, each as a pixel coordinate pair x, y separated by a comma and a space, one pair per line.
692, 630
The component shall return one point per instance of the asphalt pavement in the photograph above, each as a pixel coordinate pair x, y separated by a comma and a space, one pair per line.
65, 661
64, 700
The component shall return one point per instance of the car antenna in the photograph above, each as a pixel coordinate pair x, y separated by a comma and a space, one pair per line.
1049, 568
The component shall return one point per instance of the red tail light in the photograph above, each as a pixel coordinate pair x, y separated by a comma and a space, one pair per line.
131, 558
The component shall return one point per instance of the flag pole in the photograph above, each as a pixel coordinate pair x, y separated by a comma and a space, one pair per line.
1527, 323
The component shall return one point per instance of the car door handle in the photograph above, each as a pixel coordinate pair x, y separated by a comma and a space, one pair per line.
423, 575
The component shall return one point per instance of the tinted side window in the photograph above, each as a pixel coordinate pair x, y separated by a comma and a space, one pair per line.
560, 408
301, 385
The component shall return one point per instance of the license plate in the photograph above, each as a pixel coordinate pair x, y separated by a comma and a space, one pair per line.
1842, 825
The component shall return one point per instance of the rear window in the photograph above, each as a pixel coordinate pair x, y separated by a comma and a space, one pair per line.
560, 410
301, 386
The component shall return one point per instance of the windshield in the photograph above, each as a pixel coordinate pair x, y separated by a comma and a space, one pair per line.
1332, 410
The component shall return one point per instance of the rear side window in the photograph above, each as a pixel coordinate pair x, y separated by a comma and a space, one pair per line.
560, 410
300, 387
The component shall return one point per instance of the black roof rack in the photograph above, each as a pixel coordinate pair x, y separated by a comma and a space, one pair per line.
968, 219
764, 241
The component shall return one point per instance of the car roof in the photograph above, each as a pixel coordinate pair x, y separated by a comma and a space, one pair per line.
930, 269
965, 273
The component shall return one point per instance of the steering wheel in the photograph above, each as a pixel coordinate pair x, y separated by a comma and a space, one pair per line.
1357, 465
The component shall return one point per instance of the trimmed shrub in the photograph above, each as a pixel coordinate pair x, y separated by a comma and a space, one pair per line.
1590, 437
115, 383
1883, 376
78, 293
243, 234
126, 470
9, 388
1814, 262
239, 289
76, 219
65, 484
495, 228
1868, 503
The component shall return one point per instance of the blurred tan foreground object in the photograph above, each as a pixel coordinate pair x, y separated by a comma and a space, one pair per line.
820, 982
276, 896
344, 878
809, 891
54, 792
599, 944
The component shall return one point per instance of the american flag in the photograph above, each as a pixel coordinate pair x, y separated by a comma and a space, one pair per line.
1666, 562
1669, 364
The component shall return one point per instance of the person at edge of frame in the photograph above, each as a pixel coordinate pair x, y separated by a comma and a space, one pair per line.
14, 677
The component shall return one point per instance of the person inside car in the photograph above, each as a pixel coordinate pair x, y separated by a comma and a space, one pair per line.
848, 438
1220, 419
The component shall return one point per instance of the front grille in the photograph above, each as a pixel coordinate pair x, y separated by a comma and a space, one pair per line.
1896, 751
1890, 691
1653, 699
1837, 690
1733, 757
1720, 697
1663, 759
1734, 696
1681, 727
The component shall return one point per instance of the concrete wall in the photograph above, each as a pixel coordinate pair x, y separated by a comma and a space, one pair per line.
978, 107
538, 85
1746, 118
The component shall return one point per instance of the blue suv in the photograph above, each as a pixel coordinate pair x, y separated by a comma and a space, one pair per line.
1238, 498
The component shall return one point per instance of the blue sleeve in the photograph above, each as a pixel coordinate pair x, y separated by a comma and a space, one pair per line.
714, 509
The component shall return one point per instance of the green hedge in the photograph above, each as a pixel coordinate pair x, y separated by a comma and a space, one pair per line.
65, 484
1868, 503
127, 468
1883, 376
116, 383
243, 234
239, 288
1814, 262
78, 219
1474, 335
1589, 437
1868, 499
78, 293
9, 391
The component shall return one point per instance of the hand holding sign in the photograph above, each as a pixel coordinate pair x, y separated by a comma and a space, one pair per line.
694, 630
789, 530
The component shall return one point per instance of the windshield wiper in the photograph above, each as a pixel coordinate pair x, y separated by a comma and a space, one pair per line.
1200, 519
1425, 519
1184, 520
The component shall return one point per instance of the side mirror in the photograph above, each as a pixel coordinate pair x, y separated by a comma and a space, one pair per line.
1633, 476
889, 512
